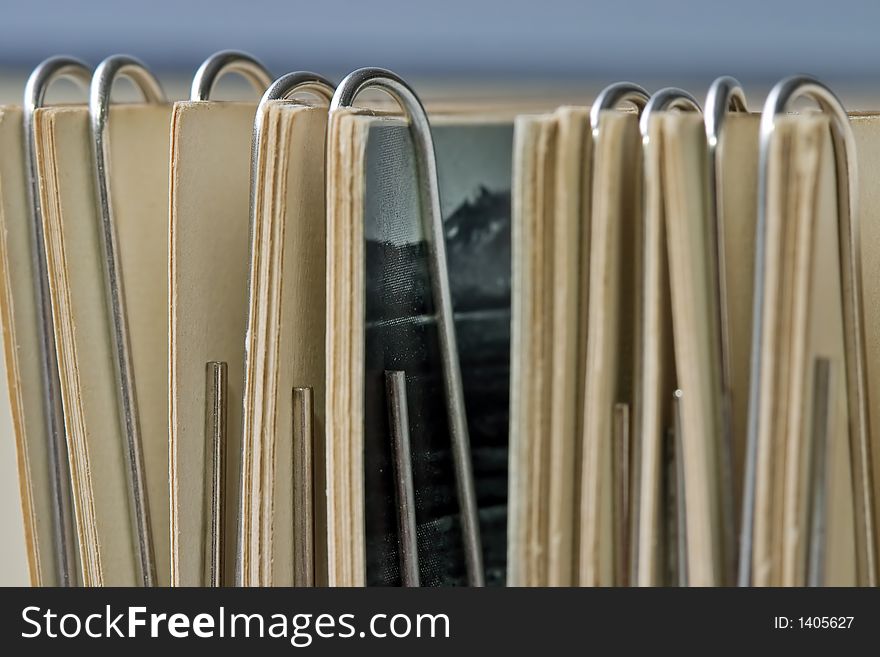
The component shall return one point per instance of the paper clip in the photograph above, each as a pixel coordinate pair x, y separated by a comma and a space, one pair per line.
420, 129
628, 459
228, 61
204, 82
106, 74
65, 540
650, 362
725, 95
283, 88
780, 99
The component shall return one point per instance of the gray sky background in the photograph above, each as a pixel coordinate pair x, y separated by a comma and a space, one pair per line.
659, 39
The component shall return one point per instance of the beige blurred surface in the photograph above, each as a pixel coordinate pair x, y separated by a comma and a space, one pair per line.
525, 92
13, 559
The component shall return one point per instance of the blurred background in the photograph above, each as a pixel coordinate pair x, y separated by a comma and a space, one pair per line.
563, 48
544, 51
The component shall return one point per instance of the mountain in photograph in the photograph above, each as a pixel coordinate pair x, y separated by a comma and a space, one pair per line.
477, 252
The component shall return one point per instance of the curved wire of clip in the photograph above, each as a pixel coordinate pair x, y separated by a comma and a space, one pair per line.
610, 98
780, 99
281, 89
725, 95
228, 61
108, 71
664, 100
204, 82
64, 537
377, 78
616, 94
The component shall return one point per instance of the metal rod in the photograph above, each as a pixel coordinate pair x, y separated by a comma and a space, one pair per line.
669, 543
725, 95
621, 472
818, 473
216, 406
420, 129
99, 109
681, 508
398, 420
64, 535
303, 487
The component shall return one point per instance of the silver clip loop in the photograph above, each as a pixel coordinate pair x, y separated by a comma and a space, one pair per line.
228, 61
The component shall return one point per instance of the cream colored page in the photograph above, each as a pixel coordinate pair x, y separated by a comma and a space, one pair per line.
31, 502
775, 291
210, 188
825, 339
570, 228
139, 141
347, 136
697, 345
816, 332
527, 131
297, 346
802, 321
14, 554
737, 189
802, 216
250, 492
655, 369
866, 129
610, 325
537, 252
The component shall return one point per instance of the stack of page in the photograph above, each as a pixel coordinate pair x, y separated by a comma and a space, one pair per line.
323, 340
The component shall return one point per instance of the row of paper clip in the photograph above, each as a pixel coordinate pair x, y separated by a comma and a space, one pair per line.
100, 84
725, 95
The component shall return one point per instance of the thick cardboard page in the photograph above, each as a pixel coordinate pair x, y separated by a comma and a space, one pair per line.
210, 191
866, 128
139, 144
397, 331
570, 277
346, 145
524, 210
250, 500
531, 346
21, 349
737, 206
15, 552
549, 253
612, 307
655, 372
802, 323
695, 323
286, 344
738, 191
